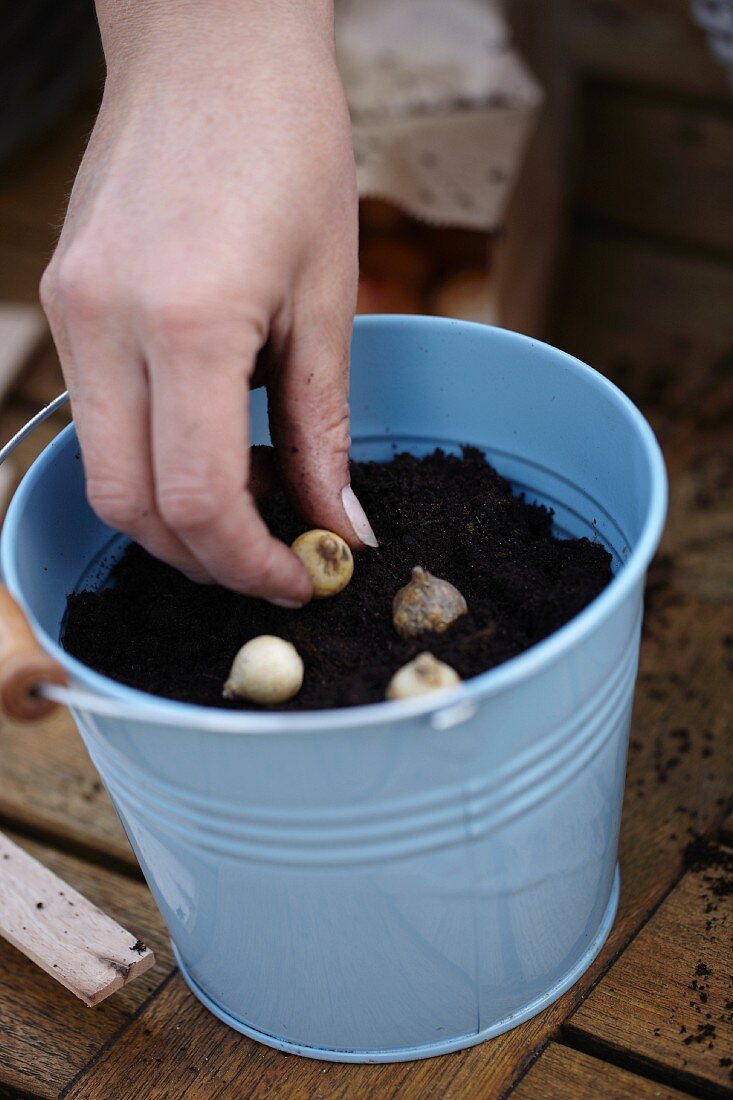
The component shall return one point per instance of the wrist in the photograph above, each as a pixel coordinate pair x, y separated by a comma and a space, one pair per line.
186, 36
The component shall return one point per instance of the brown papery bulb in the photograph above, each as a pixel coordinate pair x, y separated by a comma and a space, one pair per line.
427, 603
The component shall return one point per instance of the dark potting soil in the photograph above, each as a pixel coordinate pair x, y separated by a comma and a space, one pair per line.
155, 630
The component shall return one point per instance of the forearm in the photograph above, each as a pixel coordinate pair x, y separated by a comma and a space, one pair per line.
215, 210
195, 39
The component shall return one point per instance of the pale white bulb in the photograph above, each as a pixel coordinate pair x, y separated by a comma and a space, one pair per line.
266, 670
420, 676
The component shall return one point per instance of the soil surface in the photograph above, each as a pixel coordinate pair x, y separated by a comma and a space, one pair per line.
156, 631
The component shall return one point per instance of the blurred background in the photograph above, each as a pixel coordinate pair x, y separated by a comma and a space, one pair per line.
606, 230
614, 239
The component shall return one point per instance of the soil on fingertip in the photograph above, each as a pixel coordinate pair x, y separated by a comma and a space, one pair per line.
154, 630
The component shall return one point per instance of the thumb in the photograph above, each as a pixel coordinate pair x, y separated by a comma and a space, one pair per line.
309, 423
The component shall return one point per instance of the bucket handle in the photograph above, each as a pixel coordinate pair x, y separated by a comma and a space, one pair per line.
24, 665
33, 684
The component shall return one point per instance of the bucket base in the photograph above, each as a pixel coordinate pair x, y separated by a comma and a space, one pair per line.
429, 1050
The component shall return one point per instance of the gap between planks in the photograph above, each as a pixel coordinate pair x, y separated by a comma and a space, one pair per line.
604, 228
556, 1036
70, 847
565, 1035
48, 1035
38, 909
638, 1064
633, 90
9, 1093
563, 1072
672, 982
360, 1077
99, 1054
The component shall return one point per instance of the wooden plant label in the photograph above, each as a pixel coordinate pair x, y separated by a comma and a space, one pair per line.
60, 930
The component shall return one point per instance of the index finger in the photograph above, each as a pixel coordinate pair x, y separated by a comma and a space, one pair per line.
199, 426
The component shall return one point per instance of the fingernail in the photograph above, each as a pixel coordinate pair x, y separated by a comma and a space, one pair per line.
357, 517
290, 605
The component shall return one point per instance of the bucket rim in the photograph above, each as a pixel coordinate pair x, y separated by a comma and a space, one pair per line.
114, 698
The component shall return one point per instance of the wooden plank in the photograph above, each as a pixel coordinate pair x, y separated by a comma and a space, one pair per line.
658, 322
21, 267
678, 714
43, 380
175, 1048
47, 1034
658, 165
60, 930
49, 783
13, 416
700, 532
679, 776
667, 1002
35, 186
8, 478
644, 290
51, 788
34, 190
28, 359
683, 657
653, 41
726, 833
524, 256
560, 1073
22, 329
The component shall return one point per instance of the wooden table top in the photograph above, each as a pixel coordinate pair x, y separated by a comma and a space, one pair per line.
653, 1017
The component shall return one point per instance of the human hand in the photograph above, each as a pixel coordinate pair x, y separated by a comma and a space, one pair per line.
215, 211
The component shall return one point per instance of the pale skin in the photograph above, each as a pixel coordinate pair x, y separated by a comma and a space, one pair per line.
214, 213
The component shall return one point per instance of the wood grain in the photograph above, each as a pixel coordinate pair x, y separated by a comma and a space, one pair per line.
47, 1034
186, 1051
657, 322
49, 783
34, 190
726, 832
658, 165
51, 787
625, 282
43, 380
13, 415
667, 1002
8, 480
177, 1048
60, 930
35, 187
22, 329
21, 267
524, 257
679, 776
561, 1073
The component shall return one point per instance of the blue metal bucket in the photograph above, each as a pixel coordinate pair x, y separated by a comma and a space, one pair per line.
399, 880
